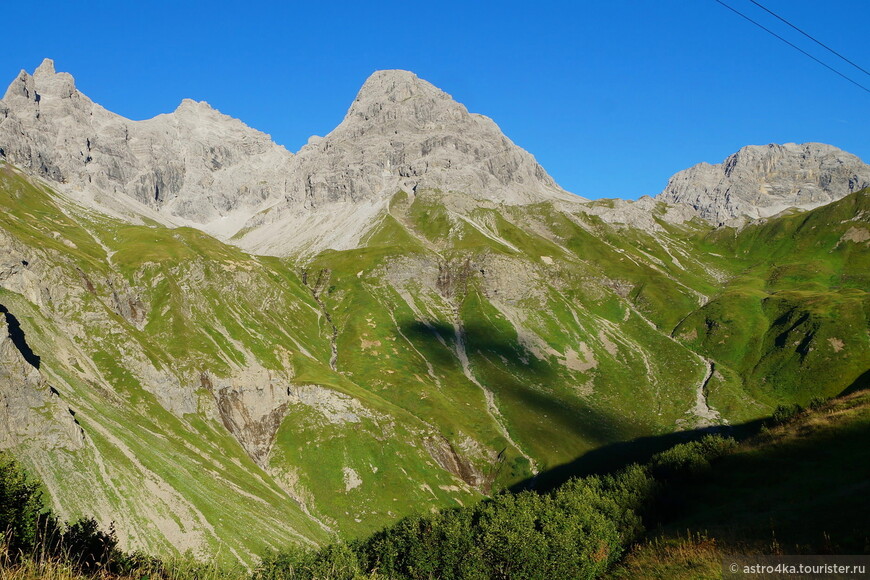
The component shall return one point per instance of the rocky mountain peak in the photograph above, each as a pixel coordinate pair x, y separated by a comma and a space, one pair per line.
393, 102
44, 82
402, 132
762, 180
22, 87
397, 85
194, 163
390, 96
199, 117
45, 69
194, 106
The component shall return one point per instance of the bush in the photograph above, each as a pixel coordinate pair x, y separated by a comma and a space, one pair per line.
22, 513
31, 530
682, 465
335, 562
689, 460
817, 403
575, 532
784, 413
88, 547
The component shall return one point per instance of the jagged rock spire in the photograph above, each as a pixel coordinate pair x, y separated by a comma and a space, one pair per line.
45, 69
195, 163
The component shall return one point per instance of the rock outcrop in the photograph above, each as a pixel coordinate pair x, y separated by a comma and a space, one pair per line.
194, 163
400, 133
761, 181
212, 171
22, 389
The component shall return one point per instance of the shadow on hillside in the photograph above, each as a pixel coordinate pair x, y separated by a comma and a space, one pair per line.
615, 456
16, 335
862, 383
496, 362
439, 341
512, 374
805, 494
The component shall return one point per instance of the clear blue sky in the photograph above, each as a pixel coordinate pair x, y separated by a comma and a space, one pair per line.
611, 96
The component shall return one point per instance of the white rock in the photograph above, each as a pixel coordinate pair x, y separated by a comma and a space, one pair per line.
196, 166
194, 163
761, 181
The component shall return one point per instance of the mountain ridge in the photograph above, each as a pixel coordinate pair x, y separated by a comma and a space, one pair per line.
198, 167
750, 183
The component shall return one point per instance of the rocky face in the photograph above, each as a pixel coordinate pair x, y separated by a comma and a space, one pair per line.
401, 132
761, 181
23, 388
212, 171
194, 163
199, 167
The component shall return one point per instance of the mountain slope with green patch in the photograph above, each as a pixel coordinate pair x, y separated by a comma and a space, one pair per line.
207, 399
794, 488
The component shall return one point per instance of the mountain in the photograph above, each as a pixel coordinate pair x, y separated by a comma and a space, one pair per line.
450, 344
400, 133
194, 163
197, 167
760, 181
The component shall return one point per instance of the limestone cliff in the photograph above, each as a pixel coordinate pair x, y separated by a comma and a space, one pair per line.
196, 166
760, 181
194, 163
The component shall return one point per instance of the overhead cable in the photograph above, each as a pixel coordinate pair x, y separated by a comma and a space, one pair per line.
823, 45
794, 46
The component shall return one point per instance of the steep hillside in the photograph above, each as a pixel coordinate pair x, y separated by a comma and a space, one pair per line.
113, 387
789, 487
796, 307
790, 490
205, 398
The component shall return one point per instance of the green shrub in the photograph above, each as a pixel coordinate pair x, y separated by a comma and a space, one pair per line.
689, 460
88, 547
31, 530
576, 531
512, 535
817, 403
784, 413
443, 544
22, 512
334, 562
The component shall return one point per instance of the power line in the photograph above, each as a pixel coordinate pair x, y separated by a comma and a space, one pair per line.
823, 45
802, 51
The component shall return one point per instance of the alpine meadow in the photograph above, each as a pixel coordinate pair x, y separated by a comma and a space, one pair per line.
404, 351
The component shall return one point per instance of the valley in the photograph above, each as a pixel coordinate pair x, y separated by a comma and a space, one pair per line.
316, 361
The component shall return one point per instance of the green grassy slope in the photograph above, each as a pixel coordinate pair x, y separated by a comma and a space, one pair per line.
791, 321
790, 490
154, 458
463, 348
